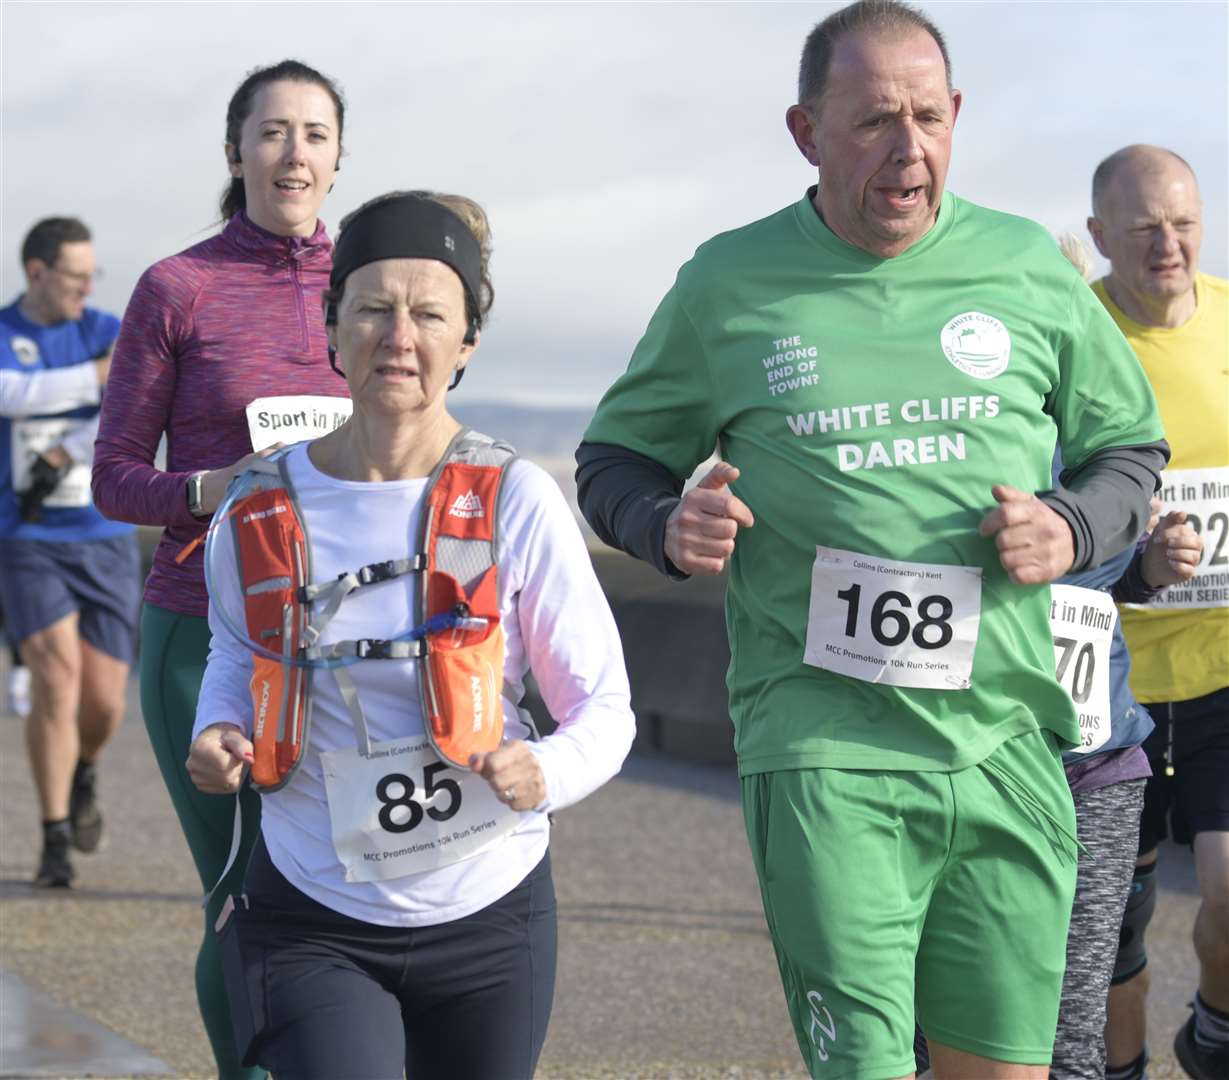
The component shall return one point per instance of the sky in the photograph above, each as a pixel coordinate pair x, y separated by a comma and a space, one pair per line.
606, 141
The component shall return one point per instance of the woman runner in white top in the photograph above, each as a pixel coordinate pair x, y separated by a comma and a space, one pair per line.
425, 945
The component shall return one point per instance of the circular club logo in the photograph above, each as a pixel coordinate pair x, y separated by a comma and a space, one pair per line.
977, 344
25, 350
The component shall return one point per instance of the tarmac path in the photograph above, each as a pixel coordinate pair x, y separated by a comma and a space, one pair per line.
665, 969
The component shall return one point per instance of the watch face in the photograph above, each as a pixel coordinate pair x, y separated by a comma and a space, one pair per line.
196, 492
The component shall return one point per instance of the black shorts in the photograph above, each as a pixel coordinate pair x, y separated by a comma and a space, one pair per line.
1196, 798
335, 997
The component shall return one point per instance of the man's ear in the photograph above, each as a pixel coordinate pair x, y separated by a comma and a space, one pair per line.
802, 127
36, 270
1097, 231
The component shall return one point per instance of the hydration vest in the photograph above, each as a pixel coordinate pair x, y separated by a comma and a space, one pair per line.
458, 642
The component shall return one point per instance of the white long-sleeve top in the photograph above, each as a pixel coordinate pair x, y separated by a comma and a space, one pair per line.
556, 622
44, 392
39, 393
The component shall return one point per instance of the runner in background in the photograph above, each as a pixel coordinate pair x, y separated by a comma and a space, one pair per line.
877, 380
1147, 220
222, 349
46, 390
71, 579
1107, 771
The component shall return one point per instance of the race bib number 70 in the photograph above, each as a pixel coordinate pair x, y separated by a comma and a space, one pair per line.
887, 621
1082, 622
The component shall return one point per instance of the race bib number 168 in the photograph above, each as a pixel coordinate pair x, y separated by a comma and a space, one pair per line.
887, 621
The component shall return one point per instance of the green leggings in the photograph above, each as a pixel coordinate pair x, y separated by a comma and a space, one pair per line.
173, 652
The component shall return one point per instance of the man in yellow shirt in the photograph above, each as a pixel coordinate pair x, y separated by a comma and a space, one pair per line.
1147, 222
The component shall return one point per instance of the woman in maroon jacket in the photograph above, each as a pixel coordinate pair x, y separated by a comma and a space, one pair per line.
223, 349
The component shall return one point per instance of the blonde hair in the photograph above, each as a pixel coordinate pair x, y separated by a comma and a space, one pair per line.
1076, 253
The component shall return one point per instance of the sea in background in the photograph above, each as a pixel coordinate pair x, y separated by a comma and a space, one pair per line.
546, 435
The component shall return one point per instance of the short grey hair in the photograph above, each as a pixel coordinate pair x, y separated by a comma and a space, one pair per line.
1141, 153
886, 17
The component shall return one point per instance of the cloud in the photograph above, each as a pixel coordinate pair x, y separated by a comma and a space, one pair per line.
607, 141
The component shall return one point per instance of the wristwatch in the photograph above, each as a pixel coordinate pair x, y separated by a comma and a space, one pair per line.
196, 495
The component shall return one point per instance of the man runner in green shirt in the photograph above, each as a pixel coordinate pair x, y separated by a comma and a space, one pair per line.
885, 369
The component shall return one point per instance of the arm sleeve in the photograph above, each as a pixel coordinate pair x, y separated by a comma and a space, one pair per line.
225, 694
38, 393
79, 443
571, 643
1106, 500
1109, 432
626, 498
137, 408
1131, 588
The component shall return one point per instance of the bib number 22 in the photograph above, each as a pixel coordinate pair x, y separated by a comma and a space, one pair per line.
400, 812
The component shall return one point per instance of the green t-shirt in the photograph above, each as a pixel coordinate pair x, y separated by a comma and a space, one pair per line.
870, 405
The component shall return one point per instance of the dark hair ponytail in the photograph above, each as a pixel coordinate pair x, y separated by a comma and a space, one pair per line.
234, 197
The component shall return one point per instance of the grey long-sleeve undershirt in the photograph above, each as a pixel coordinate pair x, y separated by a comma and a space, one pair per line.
627, 497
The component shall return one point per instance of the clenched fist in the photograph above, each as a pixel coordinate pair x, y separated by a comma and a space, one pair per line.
701, 530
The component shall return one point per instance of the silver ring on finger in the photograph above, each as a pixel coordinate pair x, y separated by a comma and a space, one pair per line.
510, 794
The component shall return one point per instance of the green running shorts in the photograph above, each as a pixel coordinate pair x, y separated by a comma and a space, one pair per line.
937, 896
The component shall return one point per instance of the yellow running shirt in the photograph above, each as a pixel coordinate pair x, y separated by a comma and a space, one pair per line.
1180, 642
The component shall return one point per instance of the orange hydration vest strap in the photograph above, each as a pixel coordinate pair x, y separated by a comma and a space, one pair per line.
271, 548
461, 668
463, 671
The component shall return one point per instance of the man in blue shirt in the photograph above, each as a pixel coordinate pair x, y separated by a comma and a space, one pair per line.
70, 581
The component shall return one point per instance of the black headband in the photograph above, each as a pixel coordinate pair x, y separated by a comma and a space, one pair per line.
410, 227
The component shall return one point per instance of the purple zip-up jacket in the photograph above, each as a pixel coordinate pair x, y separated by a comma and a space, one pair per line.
231, 319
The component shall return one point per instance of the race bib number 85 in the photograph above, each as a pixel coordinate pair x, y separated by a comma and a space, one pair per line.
887, 621
402, 811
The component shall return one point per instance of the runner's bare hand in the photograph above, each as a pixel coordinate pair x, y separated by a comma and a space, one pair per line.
1035, 543
1172, 553
213, 487
217, 757
701, 530
513, 773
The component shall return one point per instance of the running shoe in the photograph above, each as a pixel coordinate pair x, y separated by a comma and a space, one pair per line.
17, 697
83, 813
55, 868
1199, 1063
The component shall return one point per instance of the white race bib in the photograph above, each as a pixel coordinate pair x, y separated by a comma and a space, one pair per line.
32, 437
1204, 495
901, 623
402, 810
1082, 622
294, 418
